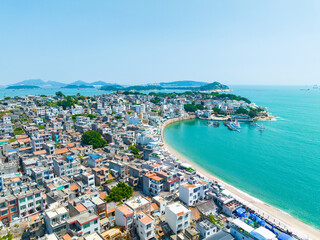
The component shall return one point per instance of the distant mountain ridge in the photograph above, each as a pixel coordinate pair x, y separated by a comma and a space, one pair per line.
177, 85
39, 83
213, 86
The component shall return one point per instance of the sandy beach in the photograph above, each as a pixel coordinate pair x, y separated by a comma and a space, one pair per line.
275, 215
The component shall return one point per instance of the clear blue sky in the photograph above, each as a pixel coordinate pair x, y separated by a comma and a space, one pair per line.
134, 41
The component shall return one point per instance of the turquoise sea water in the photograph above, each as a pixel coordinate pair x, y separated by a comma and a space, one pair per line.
280, 165
49, 91
66, 91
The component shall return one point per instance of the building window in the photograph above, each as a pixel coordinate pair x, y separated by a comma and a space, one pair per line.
30, 198
95, 221
30, 205
38, 202
13, 202
37, 195
14, 209
23, 207
86, 225
22, 200
96, 229
5, 212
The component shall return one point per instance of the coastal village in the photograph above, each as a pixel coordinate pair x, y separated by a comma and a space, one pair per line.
79, 167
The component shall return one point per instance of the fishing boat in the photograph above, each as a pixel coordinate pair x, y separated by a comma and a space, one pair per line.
261, 128
216, 124
235, 124
232, 128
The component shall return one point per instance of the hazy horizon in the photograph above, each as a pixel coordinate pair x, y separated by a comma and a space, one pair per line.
137, 42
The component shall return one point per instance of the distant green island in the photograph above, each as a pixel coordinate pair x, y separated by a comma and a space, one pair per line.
183, 85
22, 87
78, 86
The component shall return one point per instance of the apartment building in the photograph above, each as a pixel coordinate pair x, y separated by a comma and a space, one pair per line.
145, 226
124, 217
9, 209
29, 202
177, 216
84, 223
56, 220
193, 191
152, 184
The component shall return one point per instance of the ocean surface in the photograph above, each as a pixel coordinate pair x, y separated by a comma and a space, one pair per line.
280, 166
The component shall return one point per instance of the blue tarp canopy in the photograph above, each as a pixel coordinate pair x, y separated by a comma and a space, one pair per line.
283, 236
14, 149
240, 212
262, 222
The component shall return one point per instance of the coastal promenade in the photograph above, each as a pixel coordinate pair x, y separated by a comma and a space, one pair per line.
271, 214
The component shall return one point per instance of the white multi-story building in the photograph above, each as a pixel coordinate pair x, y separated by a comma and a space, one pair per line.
81, 120
66, 167
145, 226
88, 179
40, 111
206, 228
193, 191
29, 202
6, 120
37, 143
55, 220
84, 223
177, 216
38, 121
124, 217
77, 109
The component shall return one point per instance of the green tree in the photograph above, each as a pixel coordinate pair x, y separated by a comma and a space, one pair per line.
190, 108
155, 100
135, 151
200, 106
18, 131
119, 192
216, 110
93, 138
241, 111
59, 94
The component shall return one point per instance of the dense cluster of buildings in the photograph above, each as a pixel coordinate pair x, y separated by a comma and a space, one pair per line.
52, 186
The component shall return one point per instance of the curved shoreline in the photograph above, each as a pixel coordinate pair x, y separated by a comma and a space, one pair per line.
278, 216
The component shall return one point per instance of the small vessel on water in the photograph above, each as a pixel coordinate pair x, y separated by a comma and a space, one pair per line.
216, 124
261, 128
208, 123
235, 124
231, 127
